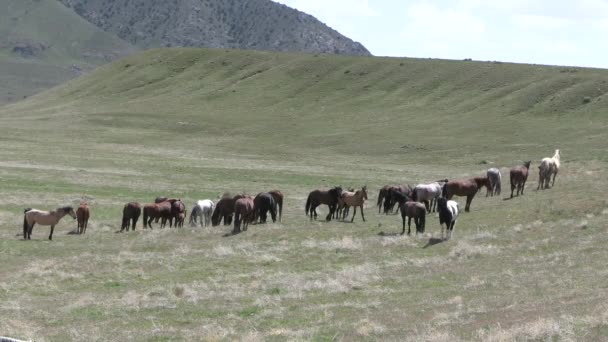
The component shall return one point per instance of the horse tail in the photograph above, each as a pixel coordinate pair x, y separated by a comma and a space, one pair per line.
380, 198
444, 190
145, 217
308, 204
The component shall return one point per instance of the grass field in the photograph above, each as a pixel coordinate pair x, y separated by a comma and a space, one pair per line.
195, 123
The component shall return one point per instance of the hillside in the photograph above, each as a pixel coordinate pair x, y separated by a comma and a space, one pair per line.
195, 123
43, 44
254, 24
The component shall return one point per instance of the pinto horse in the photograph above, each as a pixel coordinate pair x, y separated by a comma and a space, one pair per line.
547, 168
354, 199
244, 213
466, 187
130, 214
328, 197
518, 177
448, 213
82, 216
43, 218
278, 198
224, 209
263, 203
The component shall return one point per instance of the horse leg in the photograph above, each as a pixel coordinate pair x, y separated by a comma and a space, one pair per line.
554, 175
467, 208
29, 231
403, 221
354, 213
362, 216
51, 235
409, 225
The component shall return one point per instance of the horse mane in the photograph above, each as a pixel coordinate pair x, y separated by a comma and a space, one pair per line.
66, 209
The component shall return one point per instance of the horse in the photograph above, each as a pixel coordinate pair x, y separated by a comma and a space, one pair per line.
428, 194
82, 216
130, 214
328, 197
224, 208
203, 208
155, 211
518, 177
548, 167
178, 212
382, 197
159, 199
278, 198
244, 213
263, 203
495, 182
448, 213
342, 209
43, 218
466, 187
415, 210
355, 199
390, 201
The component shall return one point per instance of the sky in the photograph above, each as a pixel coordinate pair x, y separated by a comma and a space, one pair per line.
556, 32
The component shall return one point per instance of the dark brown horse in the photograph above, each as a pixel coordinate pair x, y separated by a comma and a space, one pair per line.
244, 213
278, 198
130, 215
157, 211
264, 202
518, 177
391, 200
415, 210
82, 216
466, 188
224, 208
382, 197
328, 197
178, 213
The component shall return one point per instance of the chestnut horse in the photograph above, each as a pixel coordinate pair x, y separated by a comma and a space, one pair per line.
178, 212
519, 176
82, 216
548, 167
278, 198
43, 218
465, 187
155, 211
130, 214
328, 197
224, 208
354, 199
244, 213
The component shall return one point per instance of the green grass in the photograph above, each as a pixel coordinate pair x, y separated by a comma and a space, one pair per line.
195, 123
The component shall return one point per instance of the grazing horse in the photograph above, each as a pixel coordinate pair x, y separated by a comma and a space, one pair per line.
390, 201
354, 199
383, 197
448, 213
82, 216
203, 208
415, 210
278, 198
43, 218
224, 208
428, 194
178, 212
547, 168
156, 211
328, 197
263, 203
518, 177
495, 182
130, 214
244, 213
466, 187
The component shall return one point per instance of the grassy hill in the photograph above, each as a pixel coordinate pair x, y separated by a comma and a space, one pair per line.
194, 123
43, 44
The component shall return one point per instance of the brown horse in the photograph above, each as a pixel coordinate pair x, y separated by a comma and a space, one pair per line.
328, 197
519, 176
391, 200
224, 208
178, 212
355, 199
130, 215
82, 216
44, 218
415, 210
244, 213
157, 211
466, 187
382, 197
278, 198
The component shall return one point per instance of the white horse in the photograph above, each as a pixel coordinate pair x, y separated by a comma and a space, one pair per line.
448, 214
428, 194
495, 181
203, 208
548, 167
43, 218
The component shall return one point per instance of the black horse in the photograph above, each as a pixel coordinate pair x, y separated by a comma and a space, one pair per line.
263, 203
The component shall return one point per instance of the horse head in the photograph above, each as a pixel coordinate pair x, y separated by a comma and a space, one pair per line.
527, 164
68, 211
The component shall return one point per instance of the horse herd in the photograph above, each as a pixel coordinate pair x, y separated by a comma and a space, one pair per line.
241, 210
